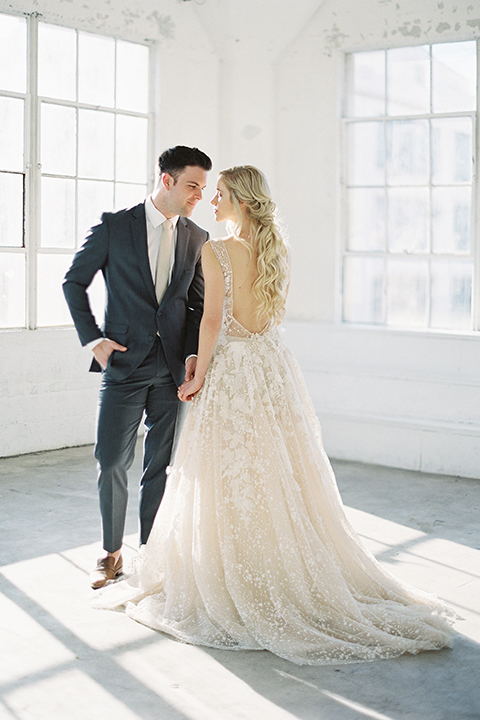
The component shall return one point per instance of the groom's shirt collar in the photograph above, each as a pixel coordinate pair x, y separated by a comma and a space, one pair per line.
155, 216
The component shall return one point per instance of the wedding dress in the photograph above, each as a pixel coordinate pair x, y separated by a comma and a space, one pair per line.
251, 548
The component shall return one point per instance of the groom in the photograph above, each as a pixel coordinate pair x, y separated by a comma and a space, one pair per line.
150, 259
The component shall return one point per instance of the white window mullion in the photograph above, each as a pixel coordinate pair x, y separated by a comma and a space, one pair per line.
76, 200
115, 86
475, 206
154, 117
33, 171
385, 210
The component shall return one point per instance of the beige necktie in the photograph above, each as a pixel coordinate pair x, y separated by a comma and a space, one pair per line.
163, 262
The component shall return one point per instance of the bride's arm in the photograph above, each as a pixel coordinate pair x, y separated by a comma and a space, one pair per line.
211, 321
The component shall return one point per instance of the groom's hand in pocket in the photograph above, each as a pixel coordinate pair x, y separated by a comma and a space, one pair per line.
104, 349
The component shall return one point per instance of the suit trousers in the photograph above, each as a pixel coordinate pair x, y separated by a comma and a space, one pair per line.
150, 389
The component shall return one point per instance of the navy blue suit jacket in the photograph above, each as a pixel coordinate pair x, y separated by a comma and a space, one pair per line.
118, 247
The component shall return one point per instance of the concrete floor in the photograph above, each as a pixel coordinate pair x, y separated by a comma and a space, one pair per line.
62, 660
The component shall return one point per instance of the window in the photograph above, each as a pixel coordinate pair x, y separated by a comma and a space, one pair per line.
74, 111
409, 131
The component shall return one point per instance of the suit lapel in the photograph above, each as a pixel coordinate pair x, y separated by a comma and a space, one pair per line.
140, 246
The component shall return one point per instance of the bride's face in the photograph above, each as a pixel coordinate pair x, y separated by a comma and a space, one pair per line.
222, 204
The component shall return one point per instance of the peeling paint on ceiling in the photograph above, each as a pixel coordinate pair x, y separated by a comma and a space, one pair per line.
408, 30
165, 25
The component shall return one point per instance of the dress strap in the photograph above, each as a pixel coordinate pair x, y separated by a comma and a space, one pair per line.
221, 253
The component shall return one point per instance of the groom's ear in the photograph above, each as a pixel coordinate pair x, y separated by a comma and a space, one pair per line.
167, 180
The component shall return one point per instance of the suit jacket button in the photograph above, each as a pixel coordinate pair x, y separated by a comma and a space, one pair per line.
150, 338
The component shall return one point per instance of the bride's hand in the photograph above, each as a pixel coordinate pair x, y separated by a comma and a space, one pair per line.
189, 389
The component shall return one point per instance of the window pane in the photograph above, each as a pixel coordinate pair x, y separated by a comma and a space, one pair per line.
454, 71
94, 198
12, 290
408, 212
451, 219
452, 152
127, 195
132, 76
366, 219
407, 152
52, 308
11, 209
366, 92
58, 136
366, 154
451, 294
96, 296
408, 80
11, 135
363, 290
96, 144
58, 213
131, 144
407, 282
57, 51
96, 70
13, 54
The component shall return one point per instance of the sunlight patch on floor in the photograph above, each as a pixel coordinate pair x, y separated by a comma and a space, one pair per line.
441, 567
62, 589
27, 647
381, 535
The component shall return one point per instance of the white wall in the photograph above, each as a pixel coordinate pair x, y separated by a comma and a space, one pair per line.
406, 399
48, 396
402, 399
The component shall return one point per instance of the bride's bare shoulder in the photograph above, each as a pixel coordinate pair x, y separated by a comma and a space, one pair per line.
236, 247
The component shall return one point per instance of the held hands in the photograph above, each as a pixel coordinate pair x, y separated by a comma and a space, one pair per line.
104, 349
192, 385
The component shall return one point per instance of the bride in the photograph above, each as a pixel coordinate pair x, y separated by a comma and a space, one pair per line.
251, 547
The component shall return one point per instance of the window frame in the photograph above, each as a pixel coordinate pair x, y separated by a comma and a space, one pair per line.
32, 169
344, 252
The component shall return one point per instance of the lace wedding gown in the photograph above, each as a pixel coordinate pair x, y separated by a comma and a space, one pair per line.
251, 548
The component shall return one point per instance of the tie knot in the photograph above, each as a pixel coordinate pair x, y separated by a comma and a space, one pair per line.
167, 225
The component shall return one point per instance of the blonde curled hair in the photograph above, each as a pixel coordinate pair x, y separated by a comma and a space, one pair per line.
248, 187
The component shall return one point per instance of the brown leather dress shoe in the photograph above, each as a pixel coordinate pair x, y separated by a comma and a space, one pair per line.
107, 569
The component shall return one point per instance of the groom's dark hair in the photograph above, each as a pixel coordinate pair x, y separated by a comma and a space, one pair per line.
174, 160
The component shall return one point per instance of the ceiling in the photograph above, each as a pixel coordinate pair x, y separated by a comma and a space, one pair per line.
237, 26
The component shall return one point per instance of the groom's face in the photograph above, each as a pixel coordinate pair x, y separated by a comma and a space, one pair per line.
184, 193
